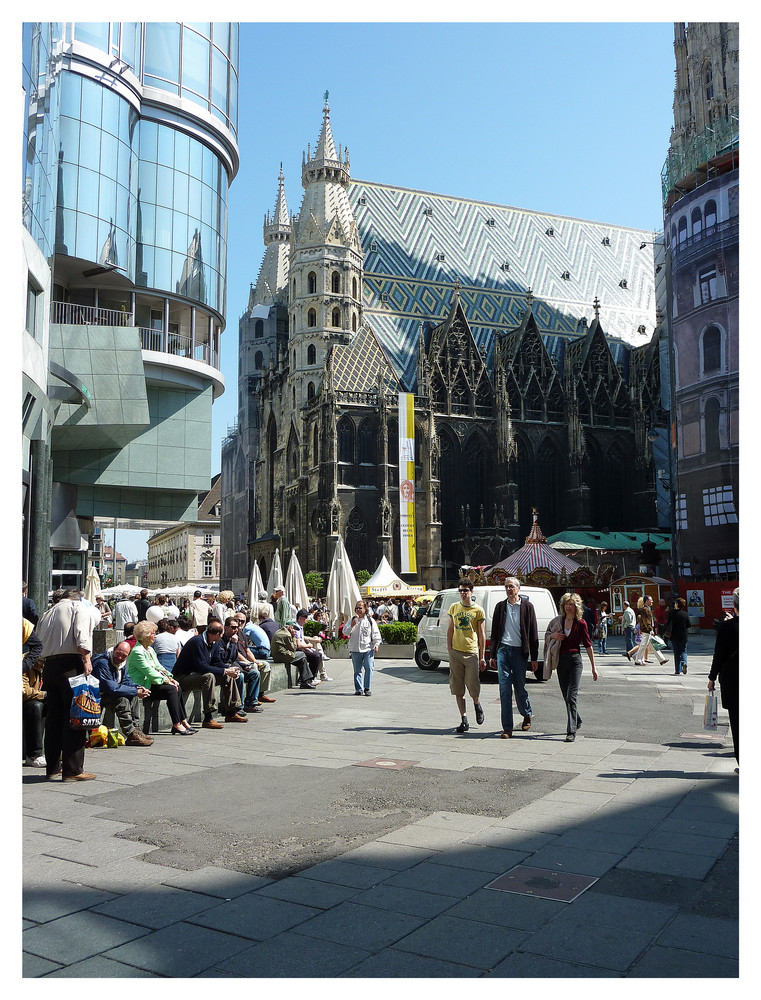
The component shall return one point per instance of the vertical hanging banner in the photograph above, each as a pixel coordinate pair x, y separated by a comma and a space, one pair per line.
407, 481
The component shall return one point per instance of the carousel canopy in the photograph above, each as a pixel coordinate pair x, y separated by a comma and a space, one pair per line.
535, 554
385, 583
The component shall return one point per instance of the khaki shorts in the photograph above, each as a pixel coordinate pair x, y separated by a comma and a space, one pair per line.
464, 672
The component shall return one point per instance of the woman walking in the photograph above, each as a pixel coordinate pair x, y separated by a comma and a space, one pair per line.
678, 623
571, 631
602, 630
647, 629
145, 670
364, 639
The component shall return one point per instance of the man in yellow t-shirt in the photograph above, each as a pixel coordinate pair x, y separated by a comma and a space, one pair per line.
466, 643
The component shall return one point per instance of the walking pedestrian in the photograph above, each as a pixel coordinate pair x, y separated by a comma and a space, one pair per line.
646, 623
726, 667
364, 639
572, 635
515, 638
628, 620
678, 625
602, 630
466, 643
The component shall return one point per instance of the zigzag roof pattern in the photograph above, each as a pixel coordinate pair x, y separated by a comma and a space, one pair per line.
356, 366
405, 233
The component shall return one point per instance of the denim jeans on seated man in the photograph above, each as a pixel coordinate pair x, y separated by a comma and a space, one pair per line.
511, 669
252, 680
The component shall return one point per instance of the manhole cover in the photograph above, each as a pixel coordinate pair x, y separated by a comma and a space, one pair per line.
387, 762
543, 882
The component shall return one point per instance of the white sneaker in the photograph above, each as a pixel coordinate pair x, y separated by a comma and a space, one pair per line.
324, 677
34, 762
325, 656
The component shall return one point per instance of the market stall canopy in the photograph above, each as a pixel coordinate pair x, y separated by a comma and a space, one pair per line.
608, 541
385, 583
535, 554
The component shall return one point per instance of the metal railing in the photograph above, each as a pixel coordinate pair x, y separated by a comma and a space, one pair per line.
179, 346
724, 229
70, 312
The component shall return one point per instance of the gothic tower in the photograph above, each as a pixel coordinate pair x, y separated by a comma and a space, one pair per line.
325, 281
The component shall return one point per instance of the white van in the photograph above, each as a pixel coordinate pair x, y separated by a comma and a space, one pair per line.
431, 646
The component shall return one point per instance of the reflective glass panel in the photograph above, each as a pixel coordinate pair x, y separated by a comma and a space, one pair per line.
222, 36
87, 195
219, 80
93, 33
195, 62
162, 50
71, 95
92, 102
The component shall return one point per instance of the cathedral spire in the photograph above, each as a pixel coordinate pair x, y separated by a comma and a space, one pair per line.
326, 147
278, 227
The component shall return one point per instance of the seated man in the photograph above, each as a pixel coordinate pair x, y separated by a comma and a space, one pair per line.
120, 694
229, 652
33, 696
285, 650
311, 647
194, 669
255, 647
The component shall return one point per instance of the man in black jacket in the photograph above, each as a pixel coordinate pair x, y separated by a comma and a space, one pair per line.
726, 666
199, 665
514, 640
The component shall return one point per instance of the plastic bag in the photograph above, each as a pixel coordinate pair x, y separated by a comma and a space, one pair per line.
115, 738
711, 712
85, 705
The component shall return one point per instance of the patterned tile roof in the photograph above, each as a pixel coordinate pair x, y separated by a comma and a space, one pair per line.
417, 244
356, 366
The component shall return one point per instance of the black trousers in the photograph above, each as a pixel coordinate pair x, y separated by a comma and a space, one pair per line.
33, 711
64, 746
174, 700
569, 677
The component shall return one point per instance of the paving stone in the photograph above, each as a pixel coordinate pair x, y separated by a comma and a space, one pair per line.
346, 873
596, 840
625, 914
424, 836
371, 927
573, 859
105, 850
511, 839
480, 945
222, 883
607, 948
309, 891
179, 951
661, 840
443, 879
101, 968
43, 905
674, 963
522, 965
122, 877
390, 897
669, 863
396, 857
394, 964
507, 909
78, 936
485, 859
255, 916
32, 966
709, 935
293, 956
156, 906
456, 821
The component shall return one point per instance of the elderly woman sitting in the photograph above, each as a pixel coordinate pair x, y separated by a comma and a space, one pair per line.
145, 670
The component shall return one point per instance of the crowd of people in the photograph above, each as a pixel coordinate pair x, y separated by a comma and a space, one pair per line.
215, 641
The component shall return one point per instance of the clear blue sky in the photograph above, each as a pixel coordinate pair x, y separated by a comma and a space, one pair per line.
569, 118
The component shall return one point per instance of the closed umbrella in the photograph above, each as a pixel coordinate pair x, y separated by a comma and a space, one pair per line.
275, 579
343, 592
295, 588
256, 585
92, 585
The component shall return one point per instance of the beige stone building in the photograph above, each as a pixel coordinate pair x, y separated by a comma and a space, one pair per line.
187, 553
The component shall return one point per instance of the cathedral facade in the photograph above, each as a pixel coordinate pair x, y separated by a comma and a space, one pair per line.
495, 320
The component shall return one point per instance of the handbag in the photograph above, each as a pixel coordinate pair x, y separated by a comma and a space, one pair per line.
711, 712
85, 705
656, 642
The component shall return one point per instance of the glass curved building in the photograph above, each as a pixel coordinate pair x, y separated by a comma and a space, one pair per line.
130, 149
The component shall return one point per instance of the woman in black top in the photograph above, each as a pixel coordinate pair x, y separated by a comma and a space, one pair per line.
572, 635
678, 622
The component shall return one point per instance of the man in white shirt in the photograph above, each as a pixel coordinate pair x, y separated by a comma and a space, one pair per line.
125, 611
198, 611
65, 631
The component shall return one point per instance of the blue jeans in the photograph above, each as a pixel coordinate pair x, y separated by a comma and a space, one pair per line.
252, 681
360, 662
680, 656
629, 638
602, 643
511, 669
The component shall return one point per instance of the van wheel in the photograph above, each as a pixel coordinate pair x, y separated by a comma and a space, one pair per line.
423, 658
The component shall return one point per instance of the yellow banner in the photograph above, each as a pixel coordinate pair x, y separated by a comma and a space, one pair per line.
407, 481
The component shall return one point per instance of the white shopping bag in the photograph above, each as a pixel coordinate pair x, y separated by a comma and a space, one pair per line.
711, 712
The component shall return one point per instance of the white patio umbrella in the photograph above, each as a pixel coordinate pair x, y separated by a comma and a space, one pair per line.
256, 584
343, 592
275, 579
295, 588
92, 585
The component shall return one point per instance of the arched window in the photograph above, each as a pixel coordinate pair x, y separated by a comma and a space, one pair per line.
335, 282
697, 221
711, 350
354, 322
259, 328
366, 440
346, 441
311, 283
354, 287
311, 354
311, 318
315, 446
294, 286
336, 318
293, 457
711, 425
258, 360
709, 82
310, 390
710, 214
683, 229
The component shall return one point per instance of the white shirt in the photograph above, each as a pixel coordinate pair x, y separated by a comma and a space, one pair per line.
124, 611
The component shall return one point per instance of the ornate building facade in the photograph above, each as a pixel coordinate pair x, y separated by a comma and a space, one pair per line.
481, 312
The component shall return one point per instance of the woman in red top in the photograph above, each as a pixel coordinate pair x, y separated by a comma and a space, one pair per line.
572, 635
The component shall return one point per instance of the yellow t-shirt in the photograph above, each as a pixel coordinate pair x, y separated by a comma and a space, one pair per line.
465, 637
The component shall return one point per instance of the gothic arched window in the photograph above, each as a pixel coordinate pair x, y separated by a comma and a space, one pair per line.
354, 287
259, 328
311, 354
710, 213
346, 440
310, 390
312, 283
682, 229
336, 317
354, 322
311, 318
315, 446
335, 282
366, 441
258, 360
709, 82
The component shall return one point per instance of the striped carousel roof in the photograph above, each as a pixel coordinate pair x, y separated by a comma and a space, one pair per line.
535, 554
